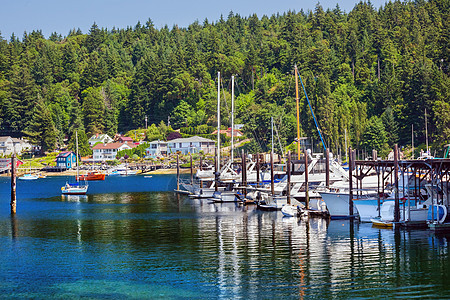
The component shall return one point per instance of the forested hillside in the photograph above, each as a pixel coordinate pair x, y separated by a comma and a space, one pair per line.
370, 73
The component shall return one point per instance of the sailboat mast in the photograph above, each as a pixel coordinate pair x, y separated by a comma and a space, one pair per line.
426, 130
232, 118
412, 140
298, 112
76, 140
271, 123
346, 149
218, 121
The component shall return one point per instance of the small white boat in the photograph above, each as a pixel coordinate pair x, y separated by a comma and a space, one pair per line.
28, 177
291, 210
202, 193
126, 172
224, 196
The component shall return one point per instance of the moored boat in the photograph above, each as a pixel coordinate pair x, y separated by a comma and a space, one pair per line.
94, 175
28, 177
74, 189
290, 210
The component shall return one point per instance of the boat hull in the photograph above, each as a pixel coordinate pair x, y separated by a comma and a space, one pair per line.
338, 205
92, 176
74, 192
28, 177
367, 209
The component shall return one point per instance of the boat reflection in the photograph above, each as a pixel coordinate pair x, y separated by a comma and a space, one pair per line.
74, 198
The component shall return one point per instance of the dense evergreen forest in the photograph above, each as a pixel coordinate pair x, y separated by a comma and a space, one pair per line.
369, 74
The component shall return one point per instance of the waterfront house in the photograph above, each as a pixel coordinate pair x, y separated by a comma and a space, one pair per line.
6, 145
100, 138
21, 145
66, 160
10, 145
193, 144
104, 152
156, 149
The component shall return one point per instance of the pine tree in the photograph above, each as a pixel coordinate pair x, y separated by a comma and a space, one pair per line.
84, 149
41, 130
391, 126
93, 110
374, 136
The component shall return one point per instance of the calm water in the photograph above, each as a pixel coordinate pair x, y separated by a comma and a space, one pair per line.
133, 238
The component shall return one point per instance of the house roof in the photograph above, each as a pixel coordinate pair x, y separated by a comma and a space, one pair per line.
228, 131
126, 138
158, 142
99, 137
65, 154
191, 139
4, 138
112, 146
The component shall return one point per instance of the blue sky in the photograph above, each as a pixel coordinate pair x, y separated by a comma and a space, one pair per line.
61, 16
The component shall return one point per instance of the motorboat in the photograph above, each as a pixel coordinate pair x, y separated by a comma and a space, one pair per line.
93, 175
290, 210
123, 172
28, 177
224, 196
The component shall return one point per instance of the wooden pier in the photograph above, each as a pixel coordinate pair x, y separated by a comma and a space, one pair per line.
431, 174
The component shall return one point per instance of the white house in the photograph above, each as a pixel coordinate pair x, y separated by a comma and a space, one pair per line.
104, 152
100, 138
156, 149
10, 145
6, 145
193, 144
22, 145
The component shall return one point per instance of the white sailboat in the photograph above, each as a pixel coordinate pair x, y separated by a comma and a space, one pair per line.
76, 188
29, 176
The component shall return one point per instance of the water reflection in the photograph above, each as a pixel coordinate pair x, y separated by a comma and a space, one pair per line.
74, 198
14, 227
166, 242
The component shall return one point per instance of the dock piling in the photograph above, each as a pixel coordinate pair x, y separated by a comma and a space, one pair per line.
13, 184
350, 183
178, 172
397, 200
